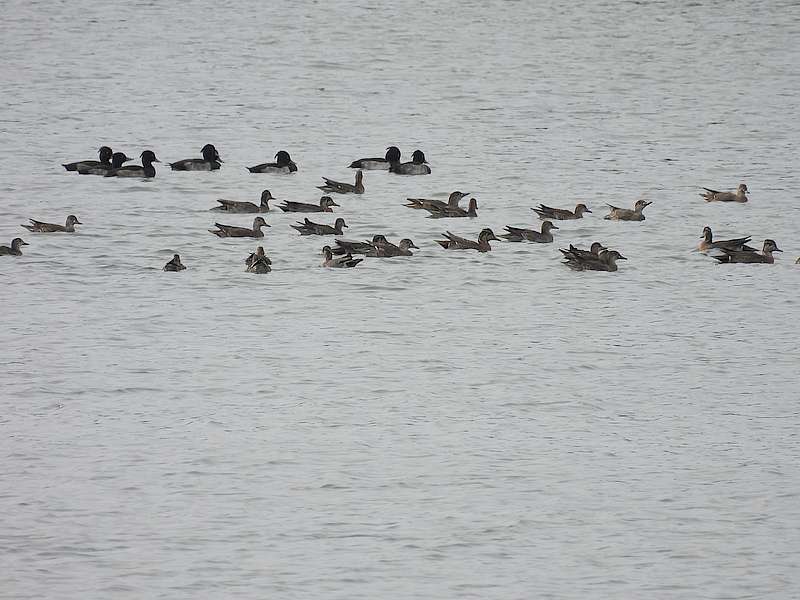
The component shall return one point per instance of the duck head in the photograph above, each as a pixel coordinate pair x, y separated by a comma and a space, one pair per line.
742, 188
339, 224
17, 242
266, 196
547, 226
393, 154
596, 248
581, 208
771, 246
641, 205
118, 159
327, 252
487, 235
327, 202
148, 157
406, 243
418, 157
282, 158
105, 154
259, 222
73, 220
379, 239
210, 153
707, 235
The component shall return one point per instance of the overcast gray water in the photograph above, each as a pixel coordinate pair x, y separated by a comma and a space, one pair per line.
450, 425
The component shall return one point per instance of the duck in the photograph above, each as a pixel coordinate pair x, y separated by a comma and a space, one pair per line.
40, 227
117, 160
104, 153
578, 253
379, 247
146, 170
14, 249
231, 231
454, 211
746, 256
325, 205
338, 262
606, 261
427, 204
388, 250
518, 234
454, 242
707, 242
175, 264
234, 206
740, 195
626, 214
283, 164
377, 164
258, 262
417, 166
548, 213
210, 161
307, 227
337, 187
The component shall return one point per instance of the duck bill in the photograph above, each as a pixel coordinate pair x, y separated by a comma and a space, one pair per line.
621, 258
24, 243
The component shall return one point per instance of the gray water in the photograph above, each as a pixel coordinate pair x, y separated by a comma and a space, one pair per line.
450, 425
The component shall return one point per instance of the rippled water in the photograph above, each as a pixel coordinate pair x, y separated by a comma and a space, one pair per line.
451, 425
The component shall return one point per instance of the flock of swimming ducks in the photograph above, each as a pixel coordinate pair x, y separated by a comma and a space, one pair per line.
340, 255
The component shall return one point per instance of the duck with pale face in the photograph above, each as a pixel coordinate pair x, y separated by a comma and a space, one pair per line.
626, 214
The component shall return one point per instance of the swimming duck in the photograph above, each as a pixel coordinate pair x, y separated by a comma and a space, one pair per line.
234, 206
325, 204
338, 262
117, 160
560, 214
337, 187
745, 256
40, 227
417, 166
231, 231
425, 203
146, 170
606, 261
175, 264
740, 195
355, 247
517, 234
707, 242
14, 249
374, 164
454, 211
104, 153
210, 161
454, 242
626, 214
258, 262
386, 249
577, 253
379, 247
307, 227
283, 164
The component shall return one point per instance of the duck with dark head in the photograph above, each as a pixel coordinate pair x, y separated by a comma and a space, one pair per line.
147, 169
392, 157
283, 164
210, 161
417, 166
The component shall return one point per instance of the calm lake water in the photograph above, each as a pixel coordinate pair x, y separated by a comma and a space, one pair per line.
451, 425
